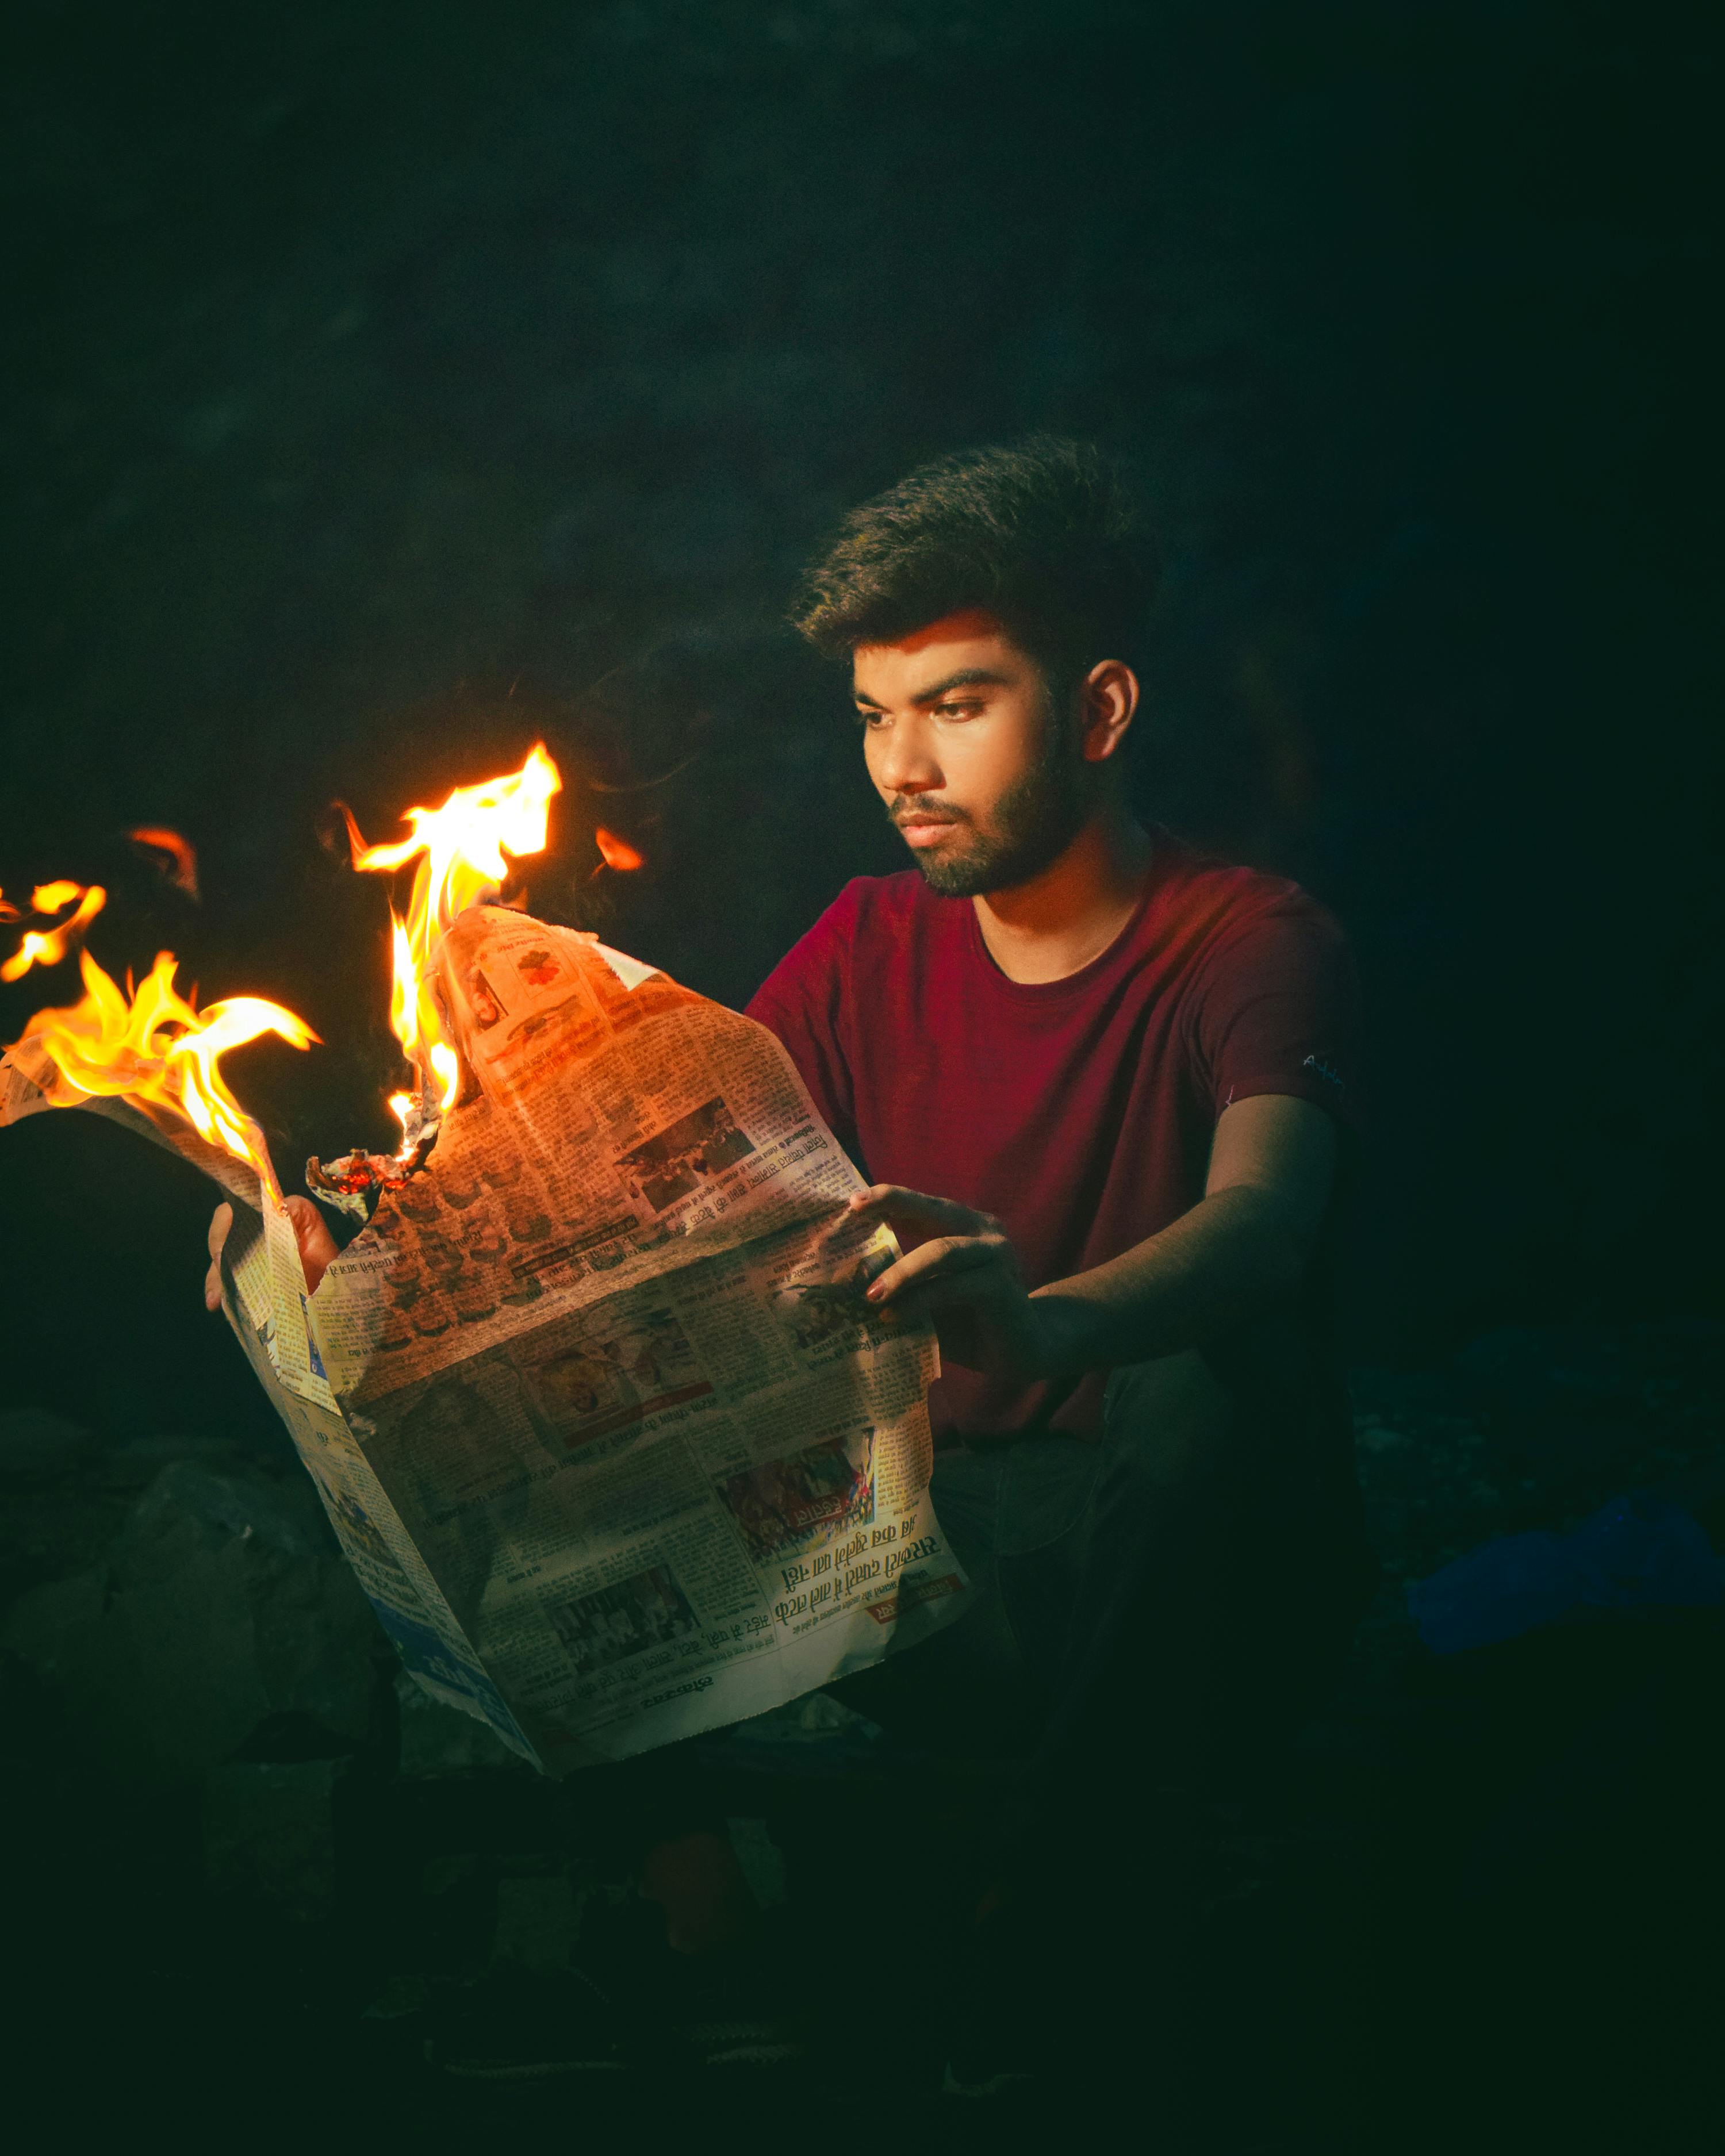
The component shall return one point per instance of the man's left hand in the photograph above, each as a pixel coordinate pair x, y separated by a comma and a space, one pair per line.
966, 1277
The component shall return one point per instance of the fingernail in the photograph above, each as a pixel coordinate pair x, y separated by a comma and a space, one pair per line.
877, 1293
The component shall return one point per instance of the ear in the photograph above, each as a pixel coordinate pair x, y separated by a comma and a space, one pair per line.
1109, 697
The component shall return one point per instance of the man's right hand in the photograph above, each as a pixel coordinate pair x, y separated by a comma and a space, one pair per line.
317, 1246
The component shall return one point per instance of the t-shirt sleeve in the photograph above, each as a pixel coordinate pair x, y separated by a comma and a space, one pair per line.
802, 1001
1278, 1011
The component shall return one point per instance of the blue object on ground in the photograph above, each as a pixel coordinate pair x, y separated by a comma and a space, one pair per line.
1638, 1551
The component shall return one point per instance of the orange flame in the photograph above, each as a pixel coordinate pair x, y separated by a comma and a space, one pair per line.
462, 848
181, 852
46, 947
158, 1048
617, 853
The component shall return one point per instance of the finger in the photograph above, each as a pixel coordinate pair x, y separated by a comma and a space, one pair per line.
221, 1223
212, 1287
945, 1259
892, 1201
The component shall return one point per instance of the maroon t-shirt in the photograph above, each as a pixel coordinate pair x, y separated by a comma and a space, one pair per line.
1079, 1112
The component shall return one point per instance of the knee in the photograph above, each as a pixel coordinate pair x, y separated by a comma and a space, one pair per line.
1272, 1360
1168, 1423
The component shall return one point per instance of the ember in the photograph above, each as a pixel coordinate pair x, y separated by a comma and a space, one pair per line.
175, 856
354, 1184
617, 853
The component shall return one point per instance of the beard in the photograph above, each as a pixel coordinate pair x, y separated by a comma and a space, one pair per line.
1033, 822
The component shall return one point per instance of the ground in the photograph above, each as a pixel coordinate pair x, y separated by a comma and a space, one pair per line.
1484, 1896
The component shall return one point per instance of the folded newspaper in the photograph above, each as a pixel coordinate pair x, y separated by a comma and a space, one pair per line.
595, 1403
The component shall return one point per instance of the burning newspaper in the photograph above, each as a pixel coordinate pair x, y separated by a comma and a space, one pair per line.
606, 1429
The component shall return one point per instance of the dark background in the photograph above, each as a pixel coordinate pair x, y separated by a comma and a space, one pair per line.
387, 387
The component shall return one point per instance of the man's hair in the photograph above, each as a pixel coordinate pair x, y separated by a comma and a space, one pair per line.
1040, 533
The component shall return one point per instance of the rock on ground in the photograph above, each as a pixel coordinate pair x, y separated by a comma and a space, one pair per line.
214, 1606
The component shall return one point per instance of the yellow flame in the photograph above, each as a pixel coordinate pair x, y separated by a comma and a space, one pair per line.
447, 1065
46, 947
159, 1048
405, 988
462, 849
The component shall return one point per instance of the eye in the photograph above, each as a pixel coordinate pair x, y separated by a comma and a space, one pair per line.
966, 709
870, 718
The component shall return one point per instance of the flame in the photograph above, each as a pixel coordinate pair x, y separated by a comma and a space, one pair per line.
404, 988
157, 1048
46, 947
617, 853
181, 852
461, 848
447, 1065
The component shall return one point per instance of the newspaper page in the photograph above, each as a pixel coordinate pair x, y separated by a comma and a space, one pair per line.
595, 1404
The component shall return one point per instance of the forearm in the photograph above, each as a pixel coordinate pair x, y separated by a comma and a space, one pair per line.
1234, 1257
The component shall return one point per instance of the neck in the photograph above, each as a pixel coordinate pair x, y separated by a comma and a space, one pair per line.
1062, 919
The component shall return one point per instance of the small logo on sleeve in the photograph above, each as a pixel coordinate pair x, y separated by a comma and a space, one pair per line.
1327, 1071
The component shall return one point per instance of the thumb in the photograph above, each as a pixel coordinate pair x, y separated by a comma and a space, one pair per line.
317, 1245
220, 1221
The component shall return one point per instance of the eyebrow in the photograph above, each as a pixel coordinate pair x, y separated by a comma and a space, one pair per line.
967, 677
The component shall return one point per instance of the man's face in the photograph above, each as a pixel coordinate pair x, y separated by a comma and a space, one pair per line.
983, 779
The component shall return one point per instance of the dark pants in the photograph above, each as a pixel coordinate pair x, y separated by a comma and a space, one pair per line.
1155, 1611
1157, 1614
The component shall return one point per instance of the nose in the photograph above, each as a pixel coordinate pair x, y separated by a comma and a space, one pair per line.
901, 760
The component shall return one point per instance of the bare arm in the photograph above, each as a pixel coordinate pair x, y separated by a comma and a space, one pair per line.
1243, 1248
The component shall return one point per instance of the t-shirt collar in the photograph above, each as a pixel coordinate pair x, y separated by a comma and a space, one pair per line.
1108, 960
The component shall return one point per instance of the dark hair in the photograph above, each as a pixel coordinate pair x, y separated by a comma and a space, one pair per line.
1039, 533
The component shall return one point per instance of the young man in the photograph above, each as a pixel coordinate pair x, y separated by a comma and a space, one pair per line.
1104, 1086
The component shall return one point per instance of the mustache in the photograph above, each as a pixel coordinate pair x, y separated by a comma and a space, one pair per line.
900, 808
